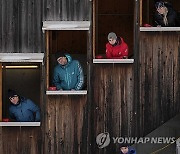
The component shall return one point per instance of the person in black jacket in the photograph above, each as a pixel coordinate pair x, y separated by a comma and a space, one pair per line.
165, 15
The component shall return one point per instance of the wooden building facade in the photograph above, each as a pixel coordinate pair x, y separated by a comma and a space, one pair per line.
129, 97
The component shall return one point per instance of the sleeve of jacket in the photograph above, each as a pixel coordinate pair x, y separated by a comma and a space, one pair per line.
35, 109
108, 51
126, 50
56, 80
11, 115
80, 76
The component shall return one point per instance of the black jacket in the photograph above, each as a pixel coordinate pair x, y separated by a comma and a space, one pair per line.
172, 17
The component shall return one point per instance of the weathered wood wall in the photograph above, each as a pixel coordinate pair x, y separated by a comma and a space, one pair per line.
20, 26
21, 21
112, 103
66, 125
22, 140
159, 63
77, 10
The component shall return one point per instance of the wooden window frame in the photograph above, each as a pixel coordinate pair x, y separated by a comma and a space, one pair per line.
17, 58
61, 26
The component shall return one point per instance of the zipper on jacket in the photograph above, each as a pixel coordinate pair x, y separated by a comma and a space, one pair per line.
67, 78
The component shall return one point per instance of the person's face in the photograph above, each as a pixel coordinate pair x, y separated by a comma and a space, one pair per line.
112, 41
124, 150
14, 99
62, 60
161, 10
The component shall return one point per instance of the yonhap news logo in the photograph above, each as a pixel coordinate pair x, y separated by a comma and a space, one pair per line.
104, 139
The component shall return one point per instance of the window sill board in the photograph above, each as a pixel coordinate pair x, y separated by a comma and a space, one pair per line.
119, 61
159, 29
67, 92
20, 123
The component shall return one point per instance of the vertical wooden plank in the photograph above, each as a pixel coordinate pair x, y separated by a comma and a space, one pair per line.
140, 12
94, 26
47, 59
0, 91
136, 107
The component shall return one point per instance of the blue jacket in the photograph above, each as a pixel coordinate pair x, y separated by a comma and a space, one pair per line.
69, 76
25, 111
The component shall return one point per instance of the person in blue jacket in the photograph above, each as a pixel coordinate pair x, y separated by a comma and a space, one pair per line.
125, 149
22, 109
68, 74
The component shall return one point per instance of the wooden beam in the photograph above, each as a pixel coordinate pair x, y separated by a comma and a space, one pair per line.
0, 91
47, 59
140, 13
94, 27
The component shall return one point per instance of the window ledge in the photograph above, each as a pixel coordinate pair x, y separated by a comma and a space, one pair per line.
20, 123
158, 29
67, 92
66, 25
21, 57
120, 61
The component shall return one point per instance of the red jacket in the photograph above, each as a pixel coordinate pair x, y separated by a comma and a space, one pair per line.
117, 51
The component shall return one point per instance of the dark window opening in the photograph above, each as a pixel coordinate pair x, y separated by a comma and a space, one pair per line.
25, 79
72, 41
116, 16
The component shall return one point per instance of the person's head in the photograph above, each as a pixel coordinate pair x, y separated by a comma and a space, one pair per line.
160, 7
112, 38
61, 58
124, 149
13, 96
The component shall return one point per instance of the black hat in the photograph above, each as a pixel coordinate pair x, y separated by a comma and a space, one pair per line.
60, 54
11, 93
159, 4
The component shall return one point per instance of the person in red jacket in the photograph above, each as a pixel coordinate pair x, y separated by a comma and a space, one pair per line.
116, 48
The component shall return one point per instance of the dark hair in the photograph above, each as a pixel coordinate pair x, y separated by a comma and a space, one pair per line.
124, 145
159, 4
60, 54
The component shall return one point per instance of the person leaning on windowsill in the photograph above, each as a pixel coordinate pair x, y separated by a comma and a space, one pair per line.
68, 73
116, 48
22, 109
165, 15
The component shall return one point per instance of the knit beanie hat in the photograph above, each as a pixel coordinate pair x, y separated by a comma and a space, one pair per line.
159, 4
112, 35
12, 93
60, 54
